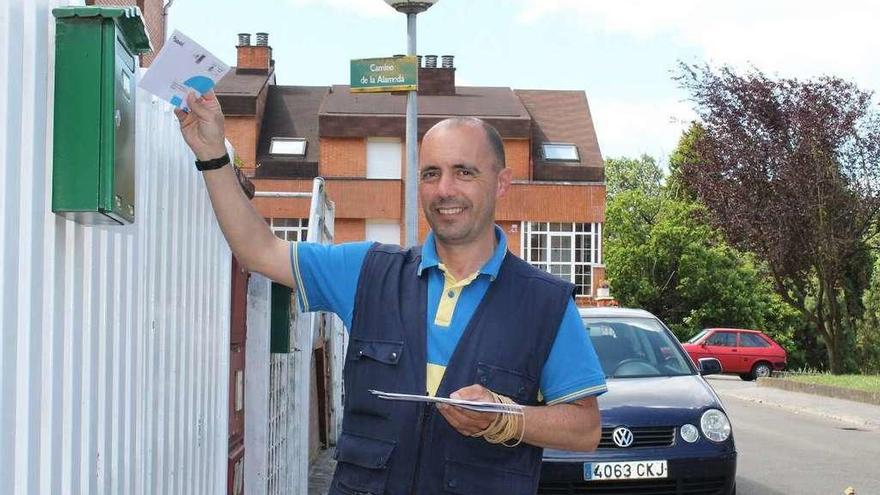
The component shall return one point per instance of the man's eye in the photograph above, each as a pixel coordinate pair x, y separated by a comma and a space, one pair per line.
429, 175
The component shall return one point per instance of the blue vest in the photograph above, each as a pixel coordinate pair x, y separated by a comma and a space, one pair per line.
396, 448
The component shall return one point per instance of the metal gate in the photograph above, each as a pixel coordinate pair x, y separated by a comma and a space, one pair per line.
278, 384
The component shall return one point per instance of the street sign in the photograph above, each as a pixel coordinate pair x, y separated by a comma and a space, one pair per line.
376, 75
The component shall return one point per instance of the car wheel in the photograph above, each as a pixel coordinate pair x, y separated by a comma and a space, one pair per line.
761, 370
746, 376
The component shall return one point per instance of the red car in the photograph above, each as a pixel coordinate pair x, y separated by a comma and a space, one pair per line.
748, 353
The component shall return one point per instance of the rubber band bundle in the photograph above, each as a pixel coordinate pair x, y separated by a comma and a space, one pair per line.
508, 425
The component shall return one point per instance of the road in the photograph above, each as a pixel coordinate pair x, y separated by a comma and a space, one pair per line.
786, 447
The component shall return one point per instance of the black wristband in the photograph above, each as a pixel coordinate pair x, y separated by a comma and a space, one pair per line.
213, 164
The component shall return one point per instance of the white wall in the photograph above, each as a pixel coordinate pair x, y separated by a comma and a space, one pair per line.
115, 340
386, 231
383, 158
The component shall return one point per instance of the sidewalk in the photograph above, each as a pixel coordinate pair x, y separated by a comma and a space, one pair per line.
858, 414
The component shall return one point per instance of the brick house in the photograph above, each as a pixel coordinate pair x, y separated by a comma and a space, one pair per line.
155, 15
287, 135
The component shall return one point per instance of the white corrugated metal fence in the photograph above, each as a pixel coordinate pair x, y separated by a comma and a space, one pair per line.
115, 340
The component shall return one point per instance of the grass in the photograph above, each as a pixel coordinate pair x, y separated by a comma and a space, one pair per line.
869, 383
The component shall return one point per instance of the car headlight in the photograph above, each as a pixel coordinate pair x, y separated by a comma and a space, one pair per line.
715, 425
689, 433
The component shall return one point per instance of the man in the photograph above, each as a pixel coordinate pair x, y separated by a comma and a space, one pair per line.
458, 317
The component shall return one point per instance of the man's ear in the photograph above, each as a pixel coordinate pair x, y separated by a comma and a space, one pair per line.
505, 176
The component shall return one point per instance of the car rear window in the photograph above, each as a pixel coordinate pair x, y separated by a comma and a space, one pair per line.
752, 340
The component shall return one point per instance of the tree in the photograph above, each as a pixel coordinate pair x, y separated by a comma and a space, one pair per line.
867, 338
661, 255
789, 170
626, 174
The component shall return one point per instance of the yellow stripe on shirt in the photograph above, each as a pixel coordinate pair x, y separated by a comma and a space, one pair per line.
435, 376
449, 297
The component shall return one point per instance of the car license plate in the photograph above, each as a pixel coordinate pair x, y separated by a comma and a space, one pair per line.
633, 470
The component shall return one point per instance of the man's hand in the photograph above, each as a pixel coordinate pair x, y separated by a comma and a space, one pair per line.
202, 127
572, 426
465, 421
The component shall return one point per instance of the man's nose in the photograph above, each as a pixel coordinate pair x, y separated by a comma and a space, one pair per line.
446, 185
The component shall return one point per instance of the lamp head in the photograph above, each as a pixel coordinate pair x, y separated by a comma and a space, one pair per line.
411, 6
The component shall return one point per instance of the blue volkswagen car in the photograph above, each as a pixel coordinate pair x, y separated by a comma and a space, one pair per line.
664, 430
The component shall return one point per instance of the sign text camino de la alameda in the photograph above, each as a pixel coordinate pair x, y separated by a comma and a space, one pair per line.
374, 75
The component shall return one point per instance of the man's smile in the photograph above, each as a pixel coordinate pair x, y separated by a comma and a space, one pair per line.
450, 211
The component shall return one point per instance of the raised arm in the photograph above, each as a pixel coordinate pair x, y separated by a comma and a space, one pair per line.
247, 233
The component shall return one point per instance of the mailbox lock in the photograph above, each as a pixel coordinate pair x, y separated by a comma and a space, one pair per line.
117, 118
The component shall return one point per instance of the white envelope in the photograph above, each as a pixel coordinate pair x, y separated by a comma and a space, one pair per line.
181, 67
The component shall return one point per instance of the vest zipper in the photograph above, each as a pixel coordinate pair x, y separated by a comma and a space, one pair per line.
423, 418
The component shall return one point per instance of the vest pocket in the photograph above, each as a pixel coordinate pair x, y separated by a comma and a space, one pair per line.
362, 463
371, 364
511, 383
383, 351
467, 479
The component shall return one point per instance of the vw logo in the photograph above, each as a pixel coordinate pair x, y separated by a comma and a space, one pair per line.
622, 437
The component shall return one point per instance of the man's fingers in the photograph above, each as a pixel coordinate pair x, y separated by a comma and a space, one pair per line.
180, 114
198, 107
455, 420
464, 421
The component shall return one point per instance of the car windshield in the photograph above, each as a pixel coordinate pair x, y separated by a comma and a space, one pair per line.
630, 347
697, 337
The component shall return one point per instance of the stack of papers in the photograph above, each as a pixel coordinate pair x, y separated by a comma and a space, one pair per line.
489, 407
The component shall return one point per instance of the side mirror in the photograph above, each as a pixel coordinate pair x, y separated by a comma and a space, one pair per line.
710, 366
704, 343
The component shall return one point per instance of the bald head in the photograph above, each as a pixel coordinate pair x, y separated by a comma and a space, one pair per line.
493, 139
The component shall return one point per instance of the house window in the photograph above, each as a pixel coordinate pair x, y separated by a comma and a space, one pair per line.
384, 156
567, 250
560, 152
290, 229
381, 230
288, 146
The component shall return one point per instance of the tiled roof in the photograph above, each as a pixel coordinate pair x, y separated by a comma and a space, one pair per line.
291, 111
468, 100
238, 90
562, 117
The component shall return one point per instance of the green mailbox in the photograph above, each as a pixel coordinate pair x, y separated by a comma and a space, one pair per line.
94, 141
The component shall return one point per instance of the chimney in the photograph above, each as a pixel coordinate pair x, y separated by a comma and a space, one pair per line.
437, 81
254, 59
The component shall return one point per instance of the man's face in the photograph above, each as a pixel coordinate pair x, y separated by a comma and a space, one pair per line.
459, 183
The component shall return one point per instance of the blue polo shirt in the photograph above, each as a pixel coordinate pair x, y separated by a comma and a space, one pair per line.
328, 278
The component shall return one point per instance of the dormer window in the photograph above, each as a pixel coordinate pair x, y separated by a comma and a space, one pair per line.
560, 152
288, 146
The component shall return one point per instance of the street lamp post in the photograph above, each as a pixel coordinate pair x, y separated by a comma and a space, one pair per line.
411, 9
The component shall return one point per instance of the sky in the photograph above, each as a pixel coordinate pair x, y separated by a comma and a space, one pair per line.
622, 53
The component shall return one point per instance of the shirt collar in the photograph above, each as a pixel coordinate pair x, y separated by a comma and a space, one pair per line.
490, 268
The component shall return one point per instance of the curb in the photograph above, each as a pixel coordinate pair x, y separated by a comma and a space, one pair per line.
872, 398
857, 421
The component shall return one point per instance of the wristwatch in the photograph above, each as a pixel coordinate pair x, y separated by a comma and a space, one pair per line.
212, 164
